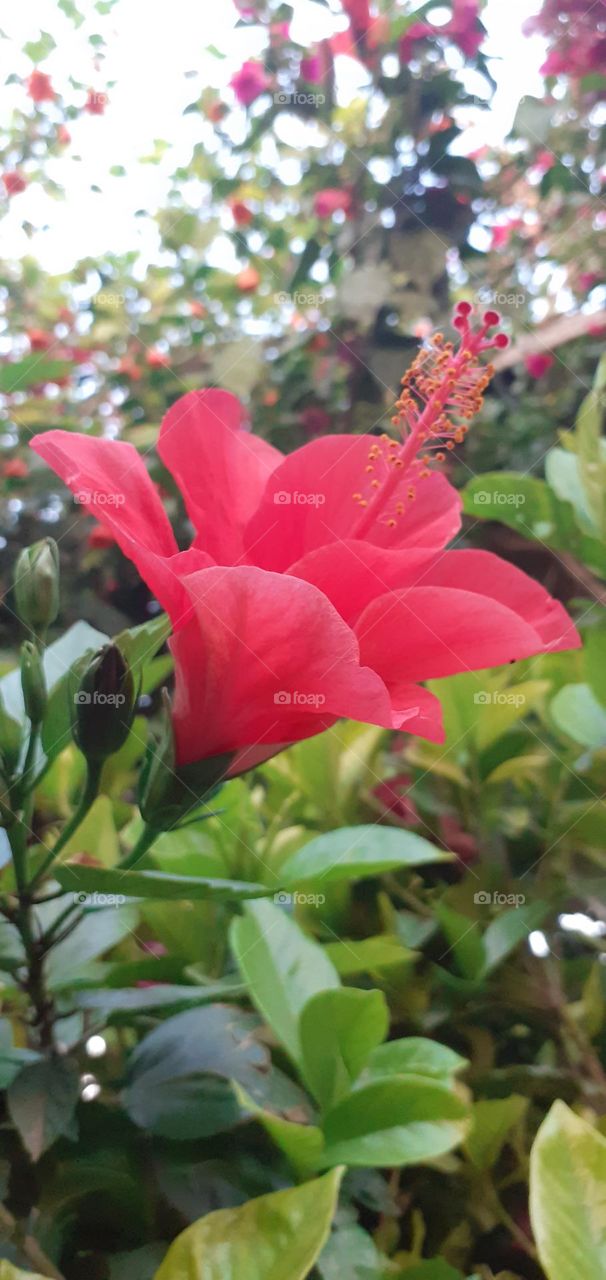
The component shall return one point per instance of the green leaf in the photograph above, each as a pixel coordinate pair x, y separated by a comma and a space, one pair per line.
397, 1121
531, 507
279, 1236
38, 50
140, 644
465, 940
152, 884
165, 995
302, 1144
567, 1180
179, 1076
42, 1102
508, 930
368, 955
98, 932
282, 967
492, 1119
12, 1059
577, 713
351, 1254
354, 852
338, 1030
30, 371
434, 1269
414, 1056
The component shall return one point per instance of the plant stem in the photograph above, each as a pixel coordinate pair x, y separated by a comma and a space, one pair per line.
146, 839
34, 948
89, 795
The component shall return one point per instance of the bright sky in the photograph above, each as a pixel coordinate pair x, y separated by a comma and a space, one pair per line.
151, 49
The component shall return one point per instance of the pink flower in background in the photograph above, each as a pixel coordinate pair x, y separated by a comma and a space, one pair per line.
331, 200
317, 585
539, 364
250, 82
14, 182
95, 103
464, 29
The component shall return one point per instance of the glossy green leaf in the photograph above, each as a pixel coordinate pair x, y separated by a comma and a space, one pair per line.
282, 967
279, 1236
397, 1121
414, 1055
152, 884
567, 1207
338, 1030
302, 1144
354, 852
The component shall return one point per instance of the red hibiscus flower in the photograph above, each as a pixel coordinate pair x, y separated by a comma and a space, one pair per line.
330, 200
40, 88
14, 182
249, 82
317, 585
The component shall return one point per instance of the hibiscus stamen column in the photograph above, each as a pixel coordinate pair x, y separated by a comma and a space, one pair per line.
441, 392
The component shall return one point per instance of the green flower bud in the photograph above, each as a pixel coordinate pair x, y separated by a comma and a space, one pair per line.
104, 705
33, 682
37, 584
167, 792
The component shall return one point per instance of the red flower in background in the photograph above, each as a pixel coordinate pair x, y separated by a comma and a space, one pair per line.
331, 200
578, 34
15, 469
317, 585
240, 213
14, 182
539, 364
95, 102
248, 280
40, 88
250, 82
40, 339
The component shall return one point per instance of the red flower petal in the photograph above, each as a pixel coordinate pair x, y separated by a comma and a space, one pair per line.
220, 469
266, 660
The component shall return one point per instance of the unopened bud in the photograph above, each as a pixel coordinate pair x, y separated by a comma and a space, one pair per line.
33, 682
104, 704
37, 585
